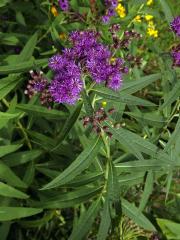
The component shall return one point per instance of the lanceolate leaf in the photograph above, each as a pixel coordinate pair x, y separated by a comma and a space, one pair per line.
4, 150
167, 11
134, 86
81, 163
68, 125
123, 98
9, 176
171, 96
105, 222
142, 166
150, 118
8, 191
69, 199
41, 111
125, 140
22, 67
85, 223
132, 212
11, 213
148, 188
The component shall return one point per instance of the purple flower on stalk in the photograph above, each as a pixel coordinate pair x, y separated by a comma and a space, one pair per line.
175, 25
57, 62
86, 56
111, 5
65, 90
67, 84
115, 81
64, 5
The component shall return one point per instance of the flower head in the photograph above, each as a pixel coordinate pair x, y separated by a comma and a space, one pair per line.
64, 5
121, 11
137, 19
149, 2
86, 56
148, 17
175, 25
54, 11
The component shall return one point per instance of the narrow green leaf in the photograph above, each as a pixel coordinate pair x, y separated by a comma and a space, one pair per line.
148, 188
8, 191
167, 11
69, 199
85, 223
68, 125
19, 158
41, 111
87, 103
123, 98
134, 86
10, 177
172, 96
132, 212
125, 141
76, 167
141, 166
7, 149
11, 213
8, 84
28, 49
173, 137
105, 222
150, 118
22, 67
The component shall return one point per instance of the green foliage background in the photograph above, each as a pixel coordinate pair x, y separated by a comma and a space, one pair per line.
58, 179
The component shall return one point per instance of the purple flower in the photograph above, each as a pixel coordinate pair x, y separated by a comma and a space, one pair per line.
65, 90
175, 25
86, 56
64, 5
57, 62
105, 19
176, 56
115, 81
110, 11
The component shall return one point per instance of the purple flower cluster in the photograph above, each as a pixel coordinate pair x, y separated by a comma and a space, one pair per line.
86, 56
64, 5
175, 25
110, 5
175, 53
66, 85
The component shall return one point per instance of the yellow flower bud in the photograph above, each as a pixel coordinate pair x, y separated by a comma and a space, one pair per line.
138, 19
104, 104
148, 17
54, 11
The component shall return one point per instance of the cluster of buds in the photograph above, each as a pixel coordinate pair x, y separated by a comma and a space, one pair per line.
38, 84
134, 60
175, 53
98, 119
128, 37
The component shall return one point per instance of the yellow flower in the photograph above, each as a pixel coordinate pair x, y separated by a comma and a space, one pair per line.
121, 11
151, 24
54, 11
112, 60
104, 104
149, 2
148, 17
152, 32
138, 19
62, 36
